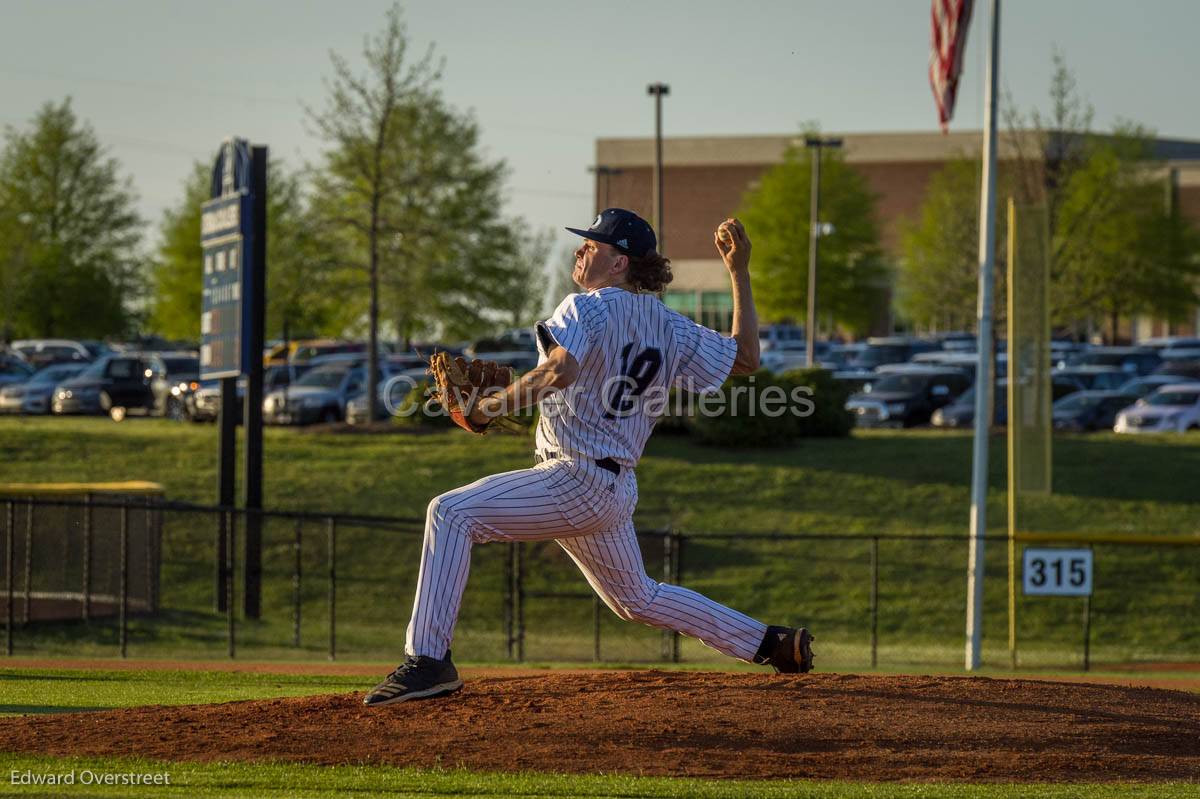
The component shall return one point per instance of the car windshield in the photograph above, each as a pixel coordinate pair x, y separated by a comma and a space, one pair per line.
1077, 402
900, 384
323, 378
177, 366
97, 368
1174, 398
52, 374
879, 354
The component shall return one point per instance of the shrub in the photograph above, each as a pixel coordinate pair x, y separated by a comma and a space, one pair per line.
829, 417
799, 404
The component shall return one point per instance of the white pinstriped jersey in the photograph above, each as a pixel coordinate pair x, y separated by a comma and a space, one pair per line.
631, 349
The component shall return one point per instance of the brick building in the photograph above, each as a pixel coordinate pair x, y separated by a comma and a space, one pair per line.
704, 179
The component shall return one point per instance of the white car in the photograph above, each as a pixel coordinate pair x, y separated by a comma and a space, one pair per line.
1173, 408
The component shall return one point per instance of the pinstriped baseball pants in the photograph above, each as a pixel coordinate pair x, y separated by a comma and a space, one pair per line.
589, 511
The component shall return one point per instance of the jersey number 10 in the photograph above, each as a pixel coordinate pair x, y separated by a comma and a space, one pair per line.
636, 377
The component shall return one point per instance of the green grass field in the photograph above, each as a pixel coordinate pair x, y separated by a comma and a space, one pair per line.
65, 690
1146, 607
303, 782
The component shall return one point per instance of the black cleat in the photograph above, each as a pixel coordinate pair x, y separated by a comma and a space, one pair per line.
418, 677
788, 650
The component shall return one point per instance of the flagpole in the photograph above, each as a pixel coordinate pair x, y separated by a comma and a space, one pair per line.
983, 371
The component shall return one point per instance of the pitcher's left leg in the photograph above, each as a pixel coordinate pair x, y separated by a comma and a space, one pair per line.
612, 563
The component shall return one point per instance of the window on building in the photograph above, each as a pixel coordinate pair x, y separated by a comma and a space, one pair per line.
683, 302
716, 310
710, 308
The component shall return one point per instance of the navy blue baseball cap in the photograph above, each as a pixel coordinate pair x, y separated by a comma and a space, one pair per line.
625, 230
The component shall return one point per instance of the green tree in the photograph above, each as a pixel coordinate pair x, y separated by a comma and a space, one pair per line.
1115, 248
519, 295
408, 195
1119, 250
298, 285
852, 277
938, 277
68, 231
558, 279
176, 271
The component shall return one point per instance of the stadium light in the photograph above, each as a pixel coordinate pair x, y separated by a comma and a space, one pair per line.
659, 91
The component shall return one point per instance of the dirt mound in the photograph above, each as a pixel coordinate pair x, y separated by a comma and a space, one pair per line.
825, 726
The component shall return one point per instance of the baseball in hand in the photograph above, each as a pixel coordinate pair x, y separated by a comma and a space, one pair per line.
724, 235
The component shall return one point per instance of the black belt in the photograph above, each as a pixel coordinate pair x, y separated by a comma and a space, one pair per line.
607, 464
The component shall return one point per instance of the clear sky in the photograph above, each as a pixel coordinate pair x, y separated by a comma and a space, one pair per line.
163, 82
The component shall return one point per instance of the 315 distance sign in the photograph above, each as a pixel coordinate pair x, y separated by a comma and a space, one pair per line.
1057, 572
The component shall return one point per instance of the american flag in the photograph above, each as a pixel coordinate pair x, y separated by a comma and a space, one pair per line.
951, 21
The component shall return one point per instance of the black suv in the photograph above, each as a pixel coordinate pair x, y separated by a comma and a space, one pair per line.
907, 397
112, 385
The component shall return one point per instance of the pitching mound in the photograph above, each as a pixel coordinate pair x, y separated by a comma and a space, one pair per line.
825, 726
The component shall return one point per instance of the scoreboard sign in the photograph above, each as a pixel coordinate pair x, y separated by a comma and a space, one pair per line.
226, 236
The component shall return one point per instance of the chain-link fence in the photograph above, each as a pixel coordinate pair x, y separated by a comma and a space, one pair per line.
341, 587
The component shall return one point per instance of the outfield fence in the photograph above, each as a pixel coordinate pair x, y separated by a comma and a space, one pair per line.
148, 578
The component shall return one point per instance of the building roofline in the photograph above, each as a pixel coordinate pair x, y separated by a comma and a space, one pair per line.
871, 147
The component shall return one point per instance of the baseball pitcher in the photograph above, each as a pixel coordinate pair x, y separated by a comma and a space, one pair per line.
602, 354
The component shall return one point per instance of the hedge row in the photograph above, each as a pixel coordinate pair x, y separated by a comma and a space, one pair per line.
757, 410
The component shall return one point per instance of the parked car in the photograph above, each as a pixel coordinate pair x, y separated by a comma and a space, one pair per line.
402, 379
204, 404
319, 396
305, 350
1170, 342
1188, 369
895, 349
1173, 408
856, 382
1132, 360
1181, 354
13, 369
783, 356
908, 397
957, 341
961, 412
181, 373
113, 385
39, 352
1144, 386
1085, 411
510, 341
33, 396
96, 348
770, 336
1093, 378
838, 356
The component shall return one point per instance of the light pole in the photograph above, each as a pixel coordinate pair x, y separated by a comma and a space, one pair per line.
659, 90
815, 145
607, 172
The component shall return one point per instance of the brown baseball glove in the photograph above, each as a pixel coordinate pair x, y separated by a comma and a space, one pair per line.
460, 385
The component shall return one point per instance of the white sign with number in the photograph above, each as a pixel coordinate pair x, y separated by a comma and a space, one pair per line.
1057, 572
